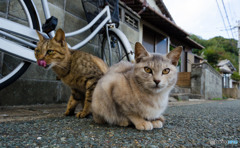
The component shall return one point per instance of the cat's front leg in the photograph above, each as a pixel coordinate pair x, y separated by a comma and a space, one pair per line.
140, 123
90, 86
86, 107
72, 104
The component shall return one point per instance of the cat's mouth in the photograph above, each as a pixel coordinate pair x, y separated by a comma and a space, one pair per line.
158, 87
42, 63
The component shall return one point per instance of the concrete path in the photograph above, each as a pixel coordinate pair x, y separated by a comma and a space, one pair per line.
188, 124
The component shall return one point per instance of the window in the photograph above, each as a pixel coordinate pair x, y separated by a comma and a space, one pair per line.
131, 21
154, 41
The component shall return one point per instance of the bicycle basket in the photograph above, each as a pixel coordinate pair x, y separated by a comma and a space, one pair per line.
93, 7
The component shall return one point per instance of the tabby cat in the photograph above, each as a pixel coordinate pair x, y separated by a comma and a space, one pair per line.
136, 93
79, 70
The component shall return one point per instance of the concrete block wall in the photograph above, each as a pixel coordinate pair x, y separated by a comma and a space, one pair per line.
40, 86
206, 81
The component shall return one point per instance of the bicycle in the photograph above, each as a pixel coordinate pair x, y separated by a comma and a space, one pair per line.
17, 41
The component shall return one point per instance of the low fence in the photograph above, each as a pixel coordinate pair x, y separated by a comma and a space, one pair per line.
184, 79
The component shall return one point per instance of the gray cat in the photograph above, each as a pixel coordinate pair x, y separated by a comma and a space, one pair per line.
136, 93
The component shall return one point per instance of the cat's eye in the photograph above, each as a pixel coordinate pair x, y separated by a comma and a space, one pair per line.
166, 71
50, 52
148, 70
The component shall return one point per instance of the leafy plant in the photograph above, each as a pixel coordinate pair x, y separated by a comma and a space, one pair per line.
235, 76
216, 49
224, 98
216, 99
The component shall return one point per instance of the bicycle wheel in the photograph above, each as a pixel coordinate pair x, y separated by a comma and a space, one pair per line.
23, 12
116, 52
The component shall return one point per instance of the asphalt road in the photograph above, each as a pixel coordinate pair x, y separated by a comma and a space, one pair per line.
206, 124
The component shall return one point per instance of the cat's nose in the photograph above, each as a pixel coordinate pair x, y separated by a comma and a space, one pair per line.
157, 81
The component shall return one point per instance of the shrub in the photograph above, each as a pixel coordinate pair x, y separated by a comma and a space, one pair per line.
235, 76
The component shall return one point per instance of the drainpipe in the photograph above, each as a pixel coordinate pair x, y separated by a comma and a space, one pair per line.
145, 4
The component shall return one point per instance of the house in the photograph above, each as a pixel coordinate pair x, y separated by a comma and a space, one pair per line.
226, 69
158, 31
230, 88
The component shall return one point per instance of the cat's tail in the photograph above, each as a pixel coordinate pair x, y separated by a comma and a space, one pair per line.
100, 63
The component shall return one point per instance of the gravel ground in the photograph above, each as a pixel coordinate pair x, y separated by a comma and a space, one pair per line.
202, 125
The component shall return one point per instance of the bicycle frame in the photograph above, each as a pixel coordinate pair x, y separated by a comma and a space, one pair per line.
28, 54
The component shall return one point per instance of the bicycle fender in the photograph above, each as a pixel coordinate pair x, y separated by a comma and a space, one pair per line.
125, 42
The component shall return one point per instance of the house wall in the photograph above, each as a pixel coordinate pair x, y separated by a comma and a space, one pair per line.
132, 33
187, 59
227, 81
206, 81
39, 86
190, 61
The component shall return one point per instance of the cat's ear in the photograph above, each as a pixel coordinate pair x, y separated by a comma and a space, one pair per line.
175, 54
59, 36
40, 36
140, 52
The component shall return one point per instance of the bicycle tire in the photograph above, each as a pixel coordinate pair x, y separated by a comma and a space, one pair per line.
20, 69
114, 55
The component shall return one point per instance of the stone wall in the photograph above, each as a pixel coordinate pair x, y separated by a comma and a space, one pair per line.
39, 86
206, 81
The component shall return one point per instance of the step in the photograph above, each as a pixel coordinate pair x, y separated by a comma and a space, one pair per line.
177, 89
186, 96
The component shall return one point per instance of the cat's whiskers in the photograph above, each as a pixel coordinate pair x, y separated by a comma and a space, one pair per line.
50, 66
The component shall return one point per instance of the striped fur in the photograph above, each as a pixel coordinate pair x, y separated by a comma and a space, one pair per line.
79, 70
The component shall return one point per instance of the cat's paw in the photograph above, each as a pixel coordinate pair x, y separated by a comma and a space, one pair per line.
161, 118
157, 124
147, 125
81, 114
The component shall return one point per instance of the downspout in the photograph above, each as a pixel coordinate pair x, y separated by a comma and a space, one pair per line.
145, 4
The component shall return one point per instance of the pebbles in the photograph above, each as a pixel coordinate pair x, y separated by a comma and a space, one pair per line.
198, 125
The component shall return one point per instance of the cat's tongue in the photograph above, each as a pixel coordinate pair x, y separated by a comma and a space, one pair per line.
42, 63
